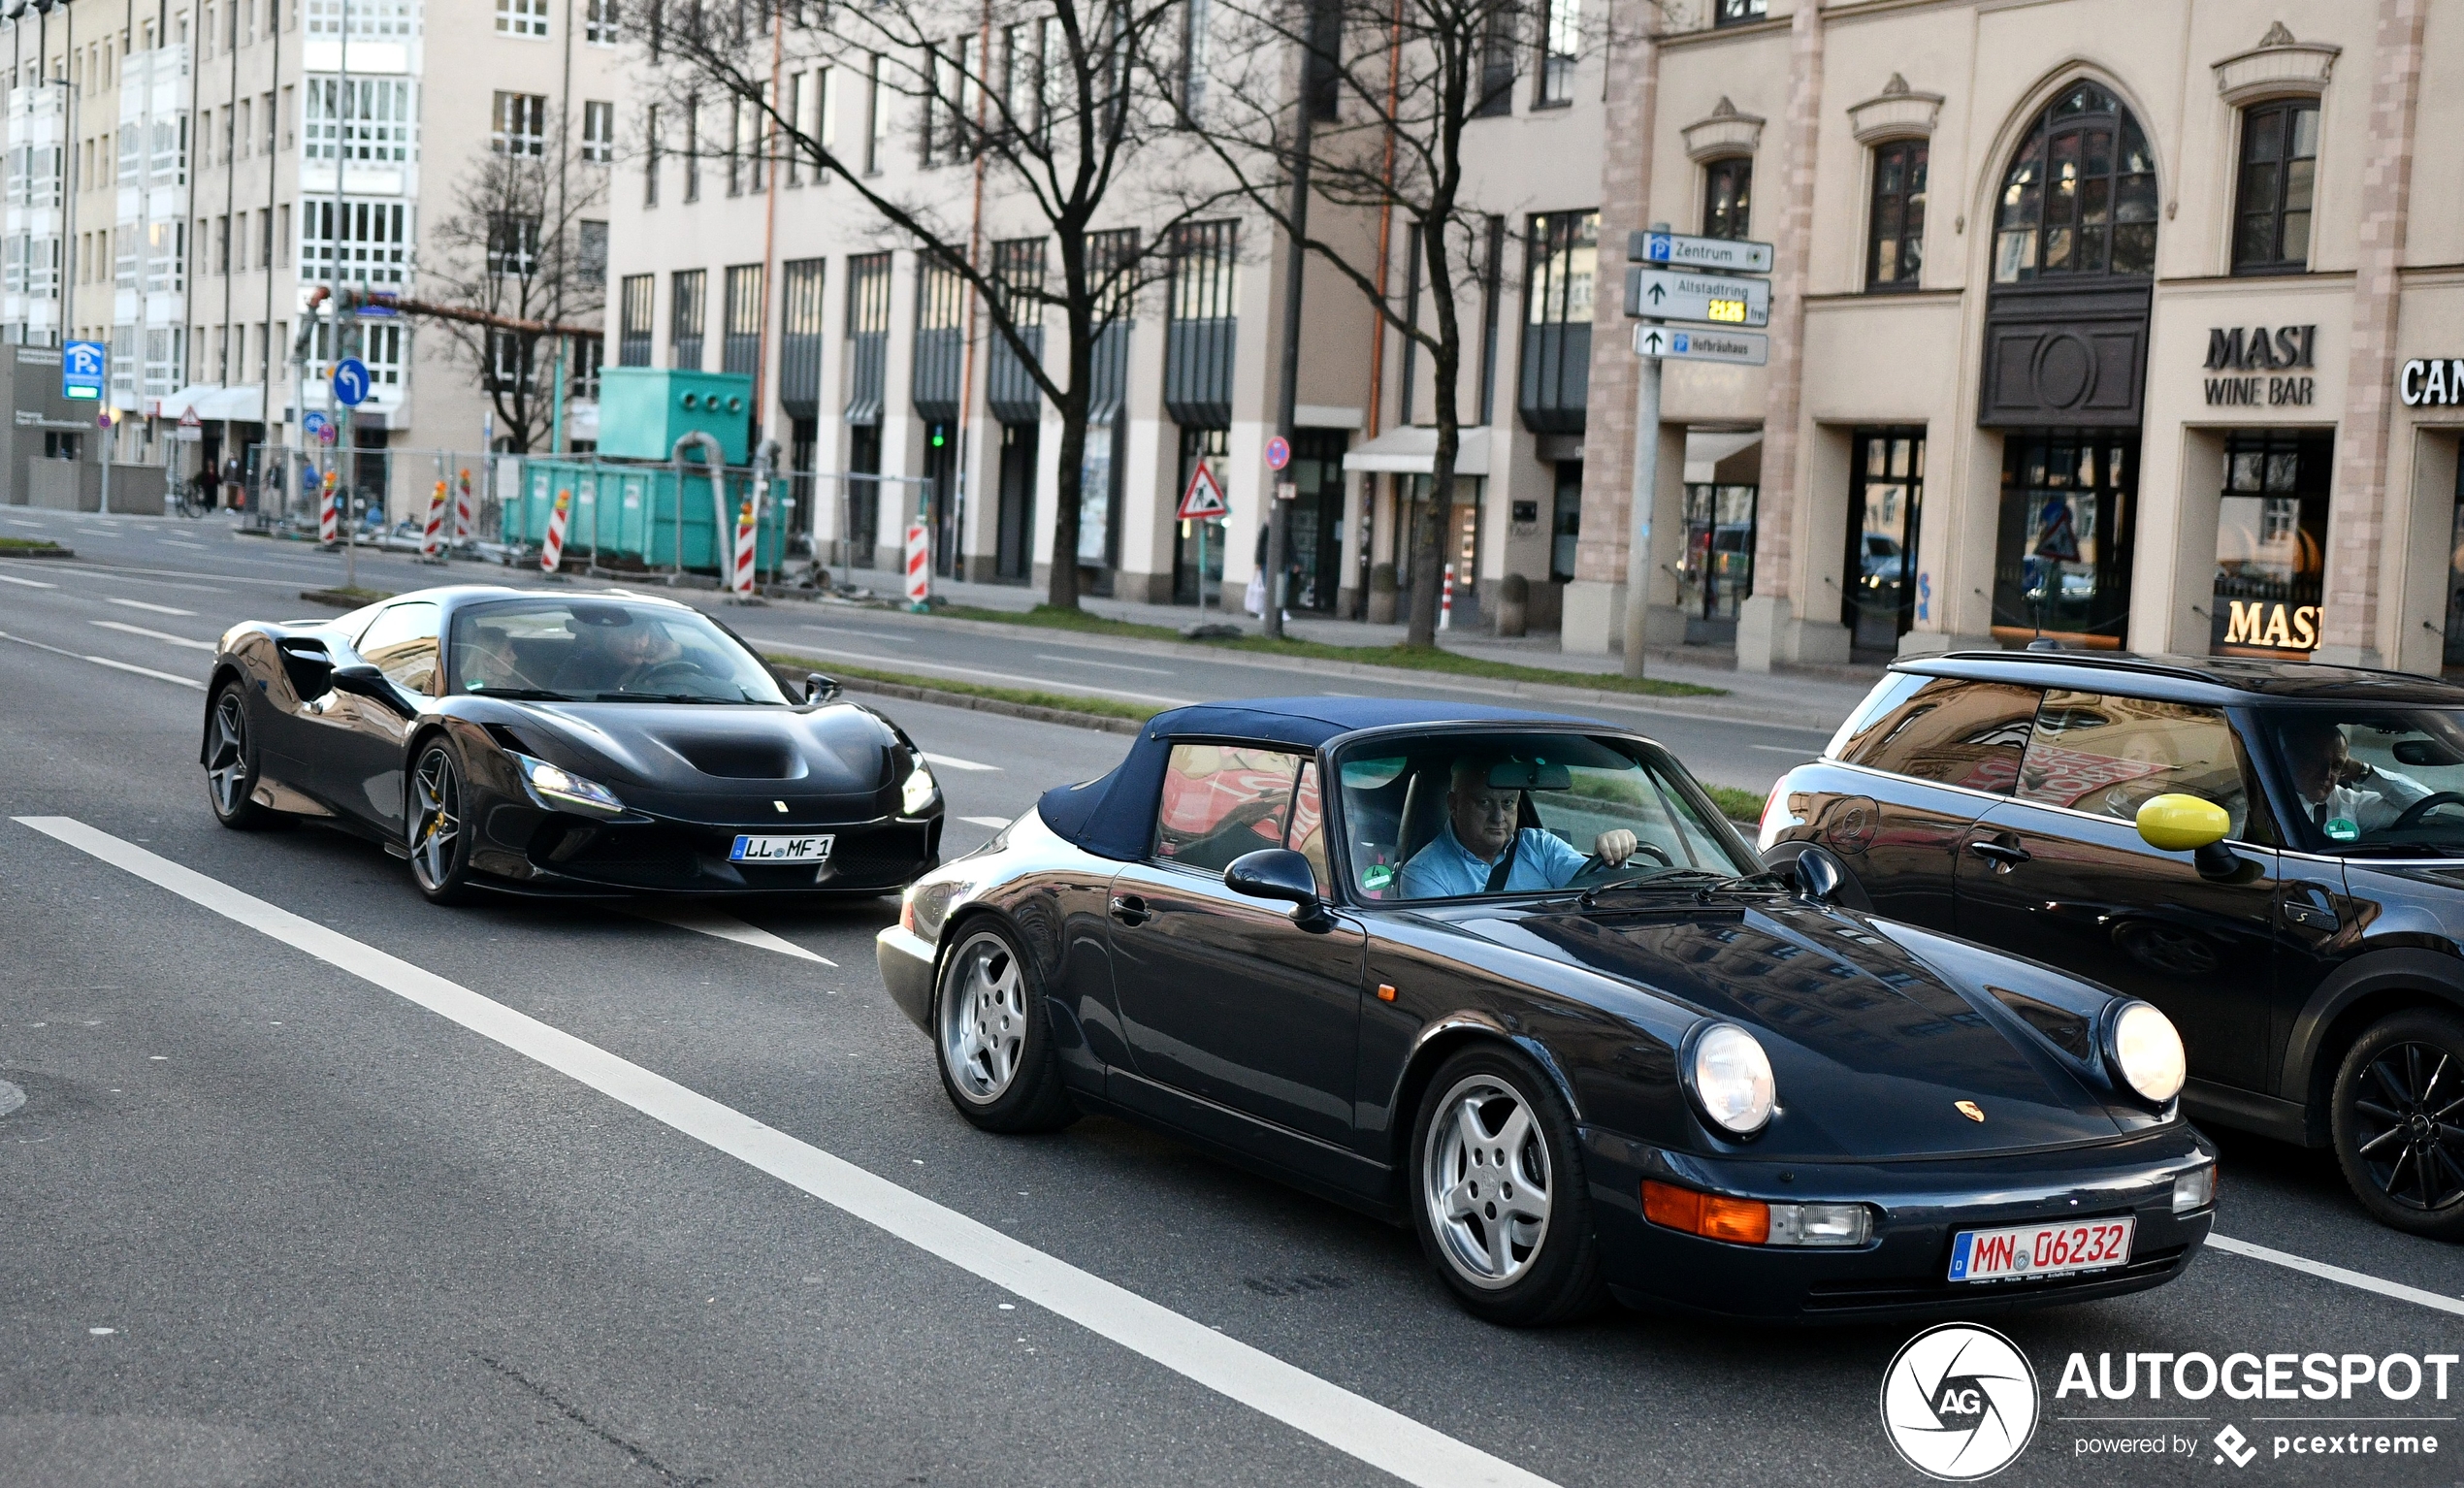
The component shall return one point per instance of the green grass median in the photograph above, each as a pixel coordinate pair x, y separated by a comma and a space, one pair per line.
1025, 697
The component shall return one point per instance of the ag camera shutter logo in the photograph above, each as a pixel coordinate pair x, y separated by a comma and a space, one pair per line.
1960, 1403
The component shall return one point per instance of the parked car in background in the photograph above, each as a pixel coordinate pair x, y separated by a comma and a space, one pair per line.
2271, 852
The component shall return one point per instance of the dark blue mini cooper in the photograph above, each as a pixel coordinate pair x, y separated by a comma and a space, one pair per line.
1511, 980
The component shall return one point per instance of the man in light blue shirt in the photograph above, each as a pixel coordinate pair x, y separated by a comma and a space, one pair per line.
1480, 830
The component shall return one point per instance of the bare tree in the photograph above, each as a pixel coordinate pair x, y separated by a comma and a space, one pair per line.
1041, 101
1390, 89
516, 248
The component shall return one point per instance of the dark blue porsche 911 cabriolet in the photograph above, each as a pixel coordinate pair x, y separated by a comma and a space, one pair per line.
1509, 978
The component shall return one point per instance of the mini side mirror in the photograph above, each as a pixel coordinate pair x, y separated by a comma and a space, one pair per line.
2174, 822
1279, 873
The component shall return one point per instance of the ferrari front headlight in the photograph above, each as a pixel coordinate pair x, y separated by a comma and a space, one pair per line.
920, 791
2146, 1051
1731, 1077
553, 786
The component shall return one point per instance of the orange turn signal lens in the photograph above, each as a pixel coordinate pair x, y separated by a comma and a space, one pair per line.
1740, 1221
1385, 992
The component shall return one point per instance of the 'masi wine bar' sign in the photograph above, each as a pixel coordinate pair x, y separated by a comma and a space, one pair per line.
2266, 356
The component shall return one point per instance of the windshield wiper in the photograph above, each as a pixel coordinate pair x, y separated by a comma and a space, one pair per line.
1702, 882
624, 697
521, 693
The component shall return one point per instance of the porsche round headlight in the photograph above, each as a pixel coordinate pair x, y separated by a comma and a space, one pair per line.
1731, 1079
2147, 1051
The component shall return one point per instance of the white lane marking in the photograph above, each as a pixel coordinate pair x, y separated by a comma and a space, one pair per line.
161, 635
956, 764
1005, 678
848, 629
37, 526
140, 604
104, 660
2336, 1274
1781, 749
725, 928
11, 578
174, 542
1353, 1424
996, 823
1079, 660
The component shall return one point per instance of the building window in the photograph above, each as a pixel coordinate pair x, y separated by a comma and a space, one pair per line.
590, 251
374, 243
1561, 44
384, 21
2271, 542
2062, 561
1896, 249
598, 133
692, 150
598, 22
650, 157
1737, 13
1563, 258
684, 318
740, 335
2271, 207
1323, 83
377, 117
2080, 197
634, 319
1728, 197
1193, 61
877, 116
1497, 63
1886, 499
522, 18
521, 124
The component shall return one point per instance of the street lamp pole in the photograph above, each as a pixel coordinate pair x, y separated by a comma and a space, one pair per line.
1278, 519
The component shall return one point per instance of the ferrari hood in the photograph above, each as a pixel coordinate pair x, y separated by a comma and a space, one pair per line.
1862, 1035
840, 751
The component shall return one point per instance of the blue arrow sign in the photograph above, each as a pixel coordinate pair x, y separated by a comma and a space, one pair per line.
82, 367
350, 382
315, 424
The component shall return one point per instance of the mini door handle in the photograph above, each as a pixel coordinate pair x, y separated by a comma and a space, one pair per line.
1129, 909
2001, 855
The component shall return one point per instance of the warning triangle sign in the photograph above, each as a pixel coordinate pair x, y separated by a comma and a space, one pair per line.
1205, 496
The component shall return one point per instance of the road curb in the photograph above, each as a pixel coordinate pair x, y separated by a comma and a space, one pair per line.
1025, 710
53, 551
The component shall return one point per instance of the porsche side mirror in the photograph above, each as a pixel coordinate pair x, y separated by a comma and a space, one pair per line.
820, 689
2174, 822
365, 681
1279, 873
1817, 875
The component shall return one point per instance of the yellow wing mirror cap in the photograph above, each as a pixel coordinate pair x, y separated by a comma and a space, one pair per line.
2182, 824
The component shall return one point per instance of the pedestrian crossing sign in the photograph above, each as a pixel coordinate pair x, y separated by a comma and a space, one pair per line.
1205, 496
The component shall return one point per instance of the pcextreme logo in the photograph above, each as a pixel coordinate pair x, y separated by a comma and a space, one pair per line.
1959, 1401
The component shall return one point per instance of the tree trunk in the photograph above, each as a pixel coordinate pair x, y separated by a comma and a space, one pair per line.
1062, 591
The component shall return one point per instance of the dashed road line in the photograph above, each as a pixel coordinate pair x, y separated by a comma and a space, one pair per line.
1382, 1437
11, 578
1005, 678
160, 635
954, 762
104, 660
1079, 660
140, 604
2336, 1273
725, 928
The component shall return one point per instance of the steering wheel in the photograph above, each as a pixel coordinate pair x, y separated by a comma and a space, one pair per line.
1595, 863
2412, 815
677, 667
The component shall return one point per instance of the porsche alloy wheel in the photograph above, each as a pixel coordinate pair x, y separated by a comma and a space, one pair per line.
994, 1041
2398, 1122
231, 762
440, 843
1501, 1206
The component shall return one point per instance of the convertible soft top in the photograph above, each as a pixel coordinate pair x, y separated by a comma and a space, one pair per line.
1114, 815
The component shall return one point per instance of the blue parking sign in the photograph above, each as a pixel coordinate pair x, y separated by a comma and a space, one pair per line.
82, 367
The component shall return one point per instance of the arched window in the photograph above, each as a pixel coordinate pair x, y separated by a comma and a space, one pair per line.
2080, 197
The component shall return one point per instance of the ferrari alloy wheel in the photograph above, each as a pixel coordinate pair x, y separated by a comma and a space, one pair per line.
231, 762
2398, 1122
439, 837
995, 1040
1499, 1191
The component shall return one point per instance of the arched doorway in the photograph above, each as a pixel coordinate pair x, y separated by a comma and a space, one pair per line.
2066, 365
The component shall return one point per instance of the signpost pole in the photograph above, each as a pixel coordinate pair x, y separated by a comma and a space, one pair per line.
1646, 490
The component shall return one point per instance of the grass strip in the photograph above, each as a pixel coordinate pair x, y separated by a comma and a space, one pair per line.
1742, 807
1407, 658
345, 599
34, 547
1064, 702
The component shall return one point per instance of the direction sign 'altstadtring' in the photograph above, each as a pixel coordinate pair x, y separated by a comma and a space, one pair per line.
1666, 294
1693, 344
1729, 255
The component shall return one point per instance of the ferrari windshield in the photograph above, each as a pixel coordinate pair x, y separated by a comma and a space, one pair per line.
602, 650
1457, 814
2386, 782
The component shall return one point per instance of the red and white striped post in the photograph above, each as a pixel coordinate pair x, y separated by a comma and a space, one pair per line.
1445, 599
552, 552
918, 565
329, 519
745, 533
432, 541
465, 516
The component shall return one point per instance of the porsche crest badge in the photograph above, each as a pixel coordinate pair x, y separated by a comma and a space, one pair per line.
1970, 1110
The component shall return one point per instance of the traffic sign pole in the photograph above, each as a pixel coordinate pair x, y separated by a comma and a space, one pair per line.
1647, 489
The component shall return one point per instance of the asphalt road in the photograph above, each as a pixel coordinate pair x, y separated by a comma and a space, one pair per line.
266, 1220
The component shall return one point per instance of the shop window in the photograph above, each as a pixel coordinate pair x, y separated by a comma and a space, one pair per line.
1737, 13
2271, 544
1885, 494
1895, 253
1566, 523
1728, 190
2080, 196
2062, 564
1717, 572
2271, 204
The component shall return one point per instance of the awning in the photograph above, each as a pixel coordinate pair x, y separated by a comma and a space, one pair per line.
211, 402
1413, 449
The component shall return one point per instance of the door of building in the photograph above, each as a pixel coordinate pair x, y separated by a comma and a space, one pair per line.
1214, 446
1014, 559
2062, 564
1884, 492
2271, 542
1717, 572
940, 468
862, 514
1315, 534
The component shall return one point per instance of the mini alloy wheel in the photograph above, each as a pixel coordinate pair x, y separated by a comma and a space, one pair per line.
1501, 1206
231, 762
2399, 1122
995, 1038
439, 844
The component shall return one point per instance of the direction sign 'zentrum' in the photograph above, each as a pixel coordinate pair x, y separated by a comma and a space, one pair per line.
1729, 255
1693, 344
1667, 294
